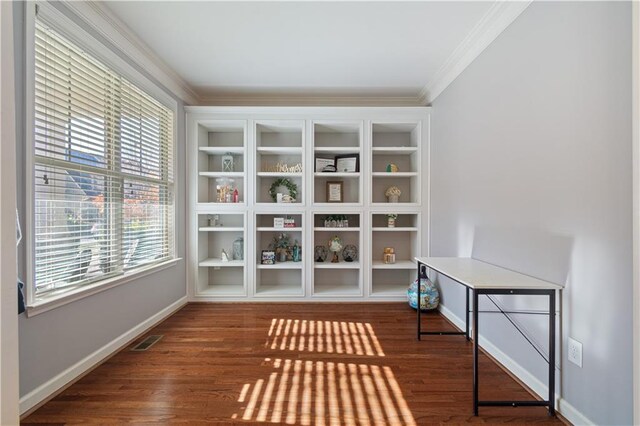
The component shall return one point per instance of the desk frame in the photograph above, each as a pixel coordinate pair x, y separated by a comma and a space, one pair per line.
551, 293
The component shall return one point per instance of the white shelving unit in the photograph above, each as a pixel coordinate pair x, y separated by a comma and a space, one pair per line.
260, 138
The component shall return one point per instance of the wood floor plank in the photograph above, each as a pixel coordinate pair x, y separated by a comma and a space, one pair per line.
303, 364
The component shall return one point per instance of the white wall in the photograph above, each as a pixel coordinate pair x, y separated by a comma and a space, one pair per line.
52, 342
8, 272
531, 157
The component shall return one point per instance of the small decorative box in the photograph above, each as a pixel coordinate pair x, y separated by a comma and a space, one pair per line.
278, 222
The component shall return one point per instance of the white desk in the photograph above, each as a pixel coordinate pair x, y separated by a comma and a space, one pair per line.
483, 278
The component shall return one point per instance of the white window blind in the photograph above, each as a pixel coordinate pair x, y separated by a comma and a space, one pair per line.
103, 177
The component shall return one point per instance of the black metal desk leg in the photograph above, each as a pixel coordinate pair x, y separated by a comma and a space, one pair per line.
466, 319
418, 301
475, 352
552, 352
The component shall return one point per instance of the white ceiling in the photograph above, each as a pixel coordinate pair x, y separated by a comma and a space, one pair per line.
302, 48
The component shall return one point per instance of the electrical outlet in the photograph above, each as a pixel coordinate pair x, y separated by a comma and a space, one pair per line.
575, 352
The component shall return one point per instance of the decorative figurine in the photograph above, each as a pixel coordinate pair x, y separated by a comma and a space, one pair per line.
391, 220
224, 256
238, 249
393, 194
227, 162
335, 246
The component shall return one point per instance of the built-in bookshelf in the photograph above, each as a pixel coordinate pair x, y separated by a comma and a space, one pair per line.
340, 162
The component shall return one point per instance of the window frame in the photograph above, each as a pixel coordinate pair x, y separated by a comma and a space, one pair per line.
73, 31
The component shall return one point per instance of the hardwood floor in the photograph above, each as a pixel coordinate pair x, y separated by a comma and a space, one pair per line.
304, 364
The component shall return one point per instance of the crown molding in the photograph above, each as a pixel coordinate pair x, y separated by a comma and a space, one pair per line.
291, 99
499, 16
119, 34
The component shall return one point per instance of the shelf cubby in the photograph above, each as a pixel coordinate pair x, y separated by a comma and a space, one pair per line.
391, 279
349, 281
392, 283
337, 282
278, 143
332, 139
395, 144
217, 139
281, 278
215, 276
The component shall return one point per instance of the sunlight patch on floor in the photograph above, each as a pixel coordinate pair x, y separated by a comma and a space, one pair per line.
340, 337
325, 393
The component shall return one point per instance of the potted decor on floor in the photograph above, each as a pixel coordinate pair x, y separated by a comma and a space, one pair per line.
429, 295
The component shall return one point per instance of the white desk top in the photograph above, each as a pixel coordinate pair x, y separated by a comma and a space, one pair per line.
481, 275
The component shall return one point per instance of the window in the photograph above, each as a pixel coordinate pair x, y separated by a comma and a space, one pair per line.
103, 170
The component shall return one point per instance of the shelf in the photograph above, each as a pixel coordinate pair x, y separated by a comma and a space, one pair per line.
279, 174
338, 149
400, 264
279, 150
399, 150
336, 229
271, 290
222, 174
337, 174
218, 263
394, 174
340, 265
395, 229
389, 290
281, 265
220, 228
221, 150
337, 205
222, 290
331, 289
272, 229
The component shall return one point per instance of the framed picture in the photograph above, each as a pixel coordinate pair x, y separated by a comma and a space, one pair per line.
321, 163
268, 257
335, 192
349, 163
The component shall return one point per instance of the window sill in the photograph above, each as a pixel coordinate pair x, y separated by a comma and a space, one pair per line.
46, 304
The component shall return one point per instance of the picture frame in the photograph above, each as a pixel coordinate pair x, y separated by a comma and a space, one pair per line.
347, 163
335, 191
268, 257
321, 163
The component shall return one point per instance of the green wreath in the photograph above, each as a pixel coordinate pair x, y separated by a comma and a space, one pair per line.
286, 182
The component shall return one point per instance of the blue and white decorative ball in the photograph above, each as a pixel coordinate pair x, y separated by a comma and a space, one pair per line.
429, 295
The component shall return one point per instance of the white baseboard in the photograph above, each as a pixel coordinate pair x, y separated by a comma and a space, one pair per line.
49, 388
567, 410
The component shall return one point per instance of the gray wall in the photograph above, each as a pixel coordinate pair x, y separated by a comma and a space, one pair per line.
55, 340
531, 162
